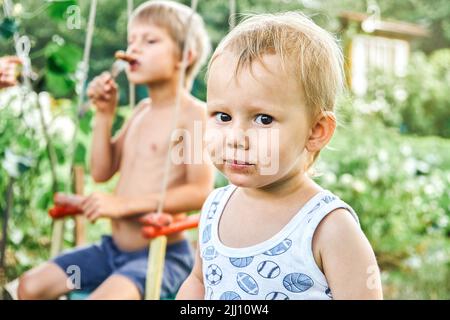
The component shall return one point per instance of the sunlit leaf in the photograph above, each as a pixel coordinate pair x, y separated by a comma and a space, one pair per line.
58, 8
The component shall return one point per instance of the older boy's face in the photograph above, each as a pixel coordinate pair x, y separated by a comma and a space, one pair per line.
258, 124
155, 53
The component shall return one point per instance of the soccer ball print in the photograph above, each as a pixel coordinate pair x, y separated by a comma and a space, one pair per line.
213, 274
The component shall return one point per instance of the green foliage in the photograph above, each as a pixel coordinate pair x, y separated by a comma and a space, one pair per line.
8, 27
417, 103
20, 132
62, 61
57, 8
427, 108
398, 185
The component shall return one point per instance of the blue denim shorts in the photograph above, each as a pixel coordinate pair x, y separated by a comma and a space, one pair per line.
99, 261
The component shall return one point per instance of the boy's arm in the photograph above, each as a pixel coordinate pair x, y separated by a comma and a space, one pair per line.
193, 288
347, 258
187, 197
106, 151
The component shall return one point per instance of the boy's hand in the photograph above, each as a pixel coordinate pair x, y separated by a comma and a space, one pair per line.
99, 205
8, 71
103, 93
156, 220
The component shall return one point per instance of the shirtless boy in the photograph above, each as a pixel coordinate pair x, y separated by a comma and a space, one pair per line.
116, 268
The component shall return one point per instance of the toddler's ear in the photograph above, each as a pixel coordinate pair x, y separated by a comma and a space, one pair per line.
321, 131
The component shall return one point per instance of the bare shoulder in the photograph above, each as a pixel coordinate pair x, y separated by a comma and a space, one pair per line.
194, 109
338, 230
335, 223
130, 119
144, 103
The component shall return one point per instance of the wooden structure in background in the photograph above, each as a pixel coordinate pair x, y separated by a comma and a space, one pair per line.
374, 43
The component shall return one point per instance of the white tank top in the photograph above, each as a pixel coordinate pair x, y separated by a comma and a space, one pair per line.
280, 268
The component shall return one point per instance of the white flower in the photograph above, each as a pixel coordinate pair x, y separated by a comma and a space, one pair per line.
64, 127
400, 94
443, 221
373, 174
429, 189
410, 166
405, 150
423, 166
383, 155
329, 178
346, 179
359, 186
414, 262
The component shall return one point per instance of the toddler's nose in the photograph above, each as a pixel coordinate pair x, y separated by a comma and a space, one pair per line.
237, 138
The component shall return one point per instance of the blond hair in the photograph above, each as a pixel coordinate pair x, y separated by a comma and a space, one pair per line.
310, 52
174, 17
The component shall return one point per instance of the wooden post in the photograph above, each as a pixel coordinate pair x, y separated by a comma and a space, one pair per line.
80, 220
57, 237
155, 268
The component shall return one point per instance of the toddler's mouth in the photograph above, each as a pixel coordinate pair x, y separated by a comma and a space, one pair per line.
238, 163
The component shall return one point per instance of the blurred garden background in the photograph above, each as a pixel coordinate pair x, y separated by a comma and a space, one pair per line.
390, 157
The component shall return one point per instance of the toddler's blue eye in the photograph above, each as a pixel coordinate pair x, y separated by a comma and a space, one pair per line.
264, 119
222, 117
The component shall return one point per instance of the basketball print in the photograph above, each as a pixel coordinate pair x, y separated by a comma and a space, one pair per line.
213, 274
268, 269
297, 282
280, 248
247, 283
241, 262
230, 295
276, 296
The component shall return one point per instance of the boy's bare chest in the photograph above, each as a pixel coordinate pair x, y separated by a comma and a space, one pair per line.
149, 135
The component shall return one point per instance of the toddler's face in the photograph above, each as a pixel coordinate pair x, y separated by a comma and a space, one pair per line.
155, 52
258, 124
